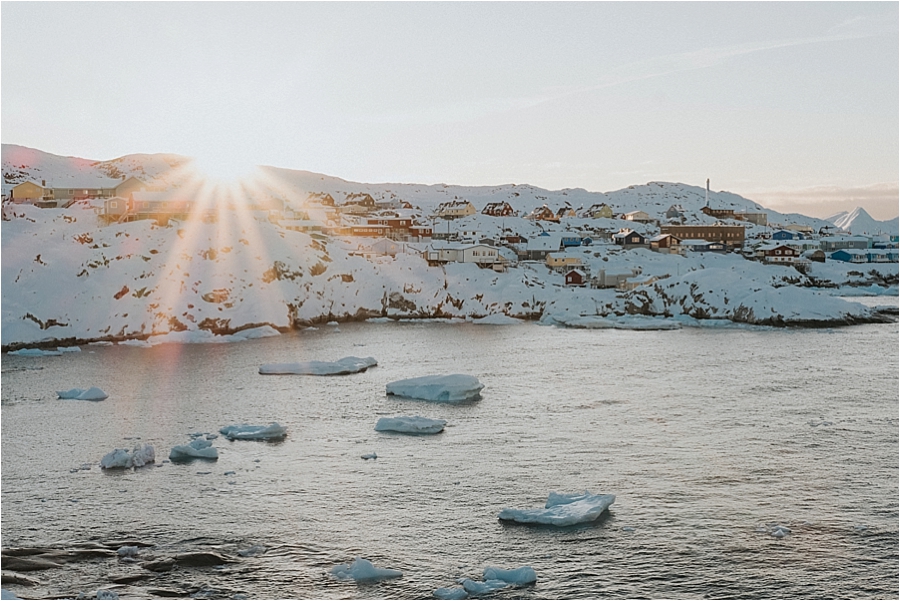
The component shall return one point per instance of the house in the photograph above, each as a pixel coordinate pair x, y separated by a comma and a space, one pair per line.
832, 243
718, 213
498, 209
158, 206
637, 216
570, 240
480, 254
612, 280
563, 262
781, 254
50, 196
575, 277
751, 217
787, 235
370, 230
665, 243
565, 211
817, 256
399, 226
543, 213
537, 249
599, 211
420, 231
676, 211
29, 192
703, 246
807, 230
850, 255
455, 209
361, 199
629, 239
730, 235
322, 198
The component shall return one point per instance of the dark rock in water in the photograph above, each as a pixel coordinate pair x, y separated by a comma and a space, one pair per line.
13, 578
166, 592
160, 565
200, 559
77, 554
118, 544
127, 578
28, 564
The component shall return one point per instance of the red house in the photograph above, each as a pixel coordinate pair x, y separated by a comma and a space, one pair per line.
575, 277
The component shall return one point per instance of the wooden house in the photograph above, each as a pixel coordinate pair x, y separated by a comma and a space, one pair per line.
575, 277
498, 209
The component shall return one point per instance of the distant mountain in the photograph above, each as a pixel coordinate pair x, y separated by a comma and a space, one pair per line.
859, 222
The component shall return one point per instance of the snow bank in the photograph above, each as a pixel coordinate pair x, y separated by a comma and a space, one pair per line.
453, 387
497, 320
206, 337
625, 322
562, 510
124, 459
518, 577
347, 365
80, 394
199, 448
363, 570
410, 425
247, 432
34, 352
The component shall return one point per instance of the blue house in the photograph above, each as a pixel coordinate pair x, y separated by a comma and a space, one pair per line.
850, 255
569, 240
787, 235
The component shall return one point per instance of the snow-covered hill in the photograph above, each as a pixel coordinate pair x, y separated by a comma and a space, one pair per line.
859, 222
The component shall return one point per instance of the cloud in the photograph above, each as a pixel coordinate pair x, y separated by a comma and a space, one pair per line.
879, 200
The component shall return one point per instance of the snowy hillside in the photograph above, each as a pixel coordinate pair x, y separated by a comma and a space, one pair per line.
859, 222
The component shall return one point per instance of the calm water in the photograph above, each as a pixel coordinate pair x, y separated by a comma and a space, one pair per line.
704, 436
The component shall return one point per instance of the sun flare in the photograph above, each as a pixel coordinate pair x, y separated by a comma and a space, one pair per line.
223, 169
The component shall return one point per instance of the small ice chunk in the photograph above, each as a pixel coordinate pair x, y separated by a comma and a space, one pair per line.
453, 592
363, 570
103, 594
449, 388
474, 587
518, 577
34, 352
80, 394
252, 551
247, 432
124, 459
128, 551
199, 448
347, 365
562, 510
410, 425
69, 394
370, 456
69, 349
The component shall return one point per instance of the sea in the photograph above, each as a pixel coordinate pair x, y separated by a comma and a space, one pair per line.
711, 439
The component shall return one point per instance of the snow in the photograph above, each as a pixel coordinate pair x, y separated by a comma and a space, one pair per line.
454, 592
497, 320
347, 365
199, 448
410, 425
448, 388
562, 510
247, 432
91, 394
362, 570
205, 337
125, 459
518, 577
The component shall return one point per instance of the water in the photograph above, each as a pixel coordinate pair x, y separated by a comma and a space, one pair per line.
705, 437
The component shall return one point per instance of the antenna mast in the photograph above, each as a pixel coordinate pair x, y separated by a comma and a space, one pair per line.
707, 191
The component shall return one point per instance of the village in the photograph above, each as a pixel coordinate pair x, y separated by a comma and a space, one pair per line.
495, 237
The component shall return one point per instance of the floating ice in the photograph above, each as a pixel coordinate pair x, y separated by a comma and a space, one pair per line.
454, 387
453, 592
252, 551
136, 342
780, 531
80, 394
34, 352
104, 594
199, 448
410, 425
518, 577
124, 459
363, 570
474, 587
347, 365
562, 510
246, 432
128, 551
369, 456
69, 349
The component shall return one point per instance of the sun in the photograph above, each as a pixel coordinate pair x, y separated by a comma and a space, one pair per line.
223, 169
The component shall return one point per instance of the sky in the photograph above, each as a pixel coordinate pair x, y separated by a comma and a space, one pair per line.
793, 105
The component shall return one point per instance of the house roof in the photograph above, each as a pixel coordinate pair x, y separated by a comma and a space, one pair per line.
578, 271
544, 243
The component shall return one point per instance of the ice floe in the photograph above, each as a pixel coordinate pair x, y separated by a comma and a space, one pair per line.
363, 570
453, 592
34, 352
247, 432
199, 448
69, 349
347, 365
410, 425
476, 587
453, 387
562, 510
518, 577
368, 456
80, 394
125, 459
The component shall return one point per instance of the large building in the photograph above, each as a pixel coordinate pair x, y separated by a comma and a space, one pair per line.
31, 192
730, 235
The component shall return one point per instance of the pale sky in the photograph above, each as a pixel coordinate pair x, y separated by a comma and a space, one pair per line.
793, 105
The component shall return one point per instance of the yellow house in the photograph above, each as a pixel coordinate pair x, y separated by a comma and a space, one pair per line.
28, 192
454, 209
132, 184
601, 210
562, 262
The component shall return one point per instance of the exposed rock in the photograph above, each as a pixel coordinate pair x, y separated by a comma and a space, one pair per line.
200, 559
21, 579
160, 565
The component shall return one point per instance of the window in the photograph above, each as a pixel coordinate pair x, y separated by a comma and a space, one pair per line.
113, 205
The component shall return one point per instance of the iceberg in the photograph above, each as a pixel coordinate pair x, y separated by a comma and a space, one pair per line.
69, 349
199, 448
453, 592
246, 432
474, 587
363, 570
518, 577
347, 365
410, 425
34, 352
80, 394
562, 510
124, 459
453, 387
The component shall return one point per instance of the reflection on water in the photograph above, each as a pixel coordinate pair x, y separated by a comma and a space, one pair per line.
707, 438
